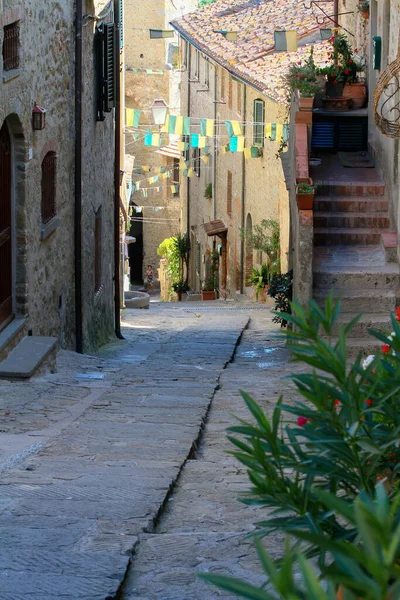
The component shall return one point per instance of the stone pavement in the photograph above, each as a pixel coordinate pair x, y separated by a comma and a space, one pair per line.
89, 455
204, 527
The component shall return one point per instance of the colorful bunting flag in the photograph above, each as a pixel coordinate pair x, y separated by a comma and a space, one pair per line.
205, 159
194, 140
132, 117
179, 126
233, 128
207, 127
236, 143
174, 189
182, 146
172, 124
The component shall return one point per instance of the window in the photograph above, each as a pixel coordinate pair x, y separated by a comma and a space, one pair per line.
222, 84
239, 97
207, 73
197, 64
97, 251
196, 161
11, 47
258, 128
230, 92
229, 193
176, 175
49, 187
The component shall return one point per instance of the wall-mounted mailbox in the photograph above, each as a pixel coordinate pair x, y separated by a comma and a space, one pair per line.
377, 51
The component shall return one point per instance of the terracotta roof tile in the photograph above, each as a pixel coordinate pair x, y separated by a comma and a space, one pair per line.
252, 56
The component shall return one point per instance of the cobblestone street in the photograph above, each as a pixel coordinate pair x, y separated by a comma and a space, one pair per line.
108, 457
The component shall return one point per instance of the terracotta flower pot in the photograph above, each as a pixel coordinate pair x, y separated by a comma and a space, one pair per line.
365, 14
305, 201
179, 296
339, 104
306, 104
357, 92
208, 295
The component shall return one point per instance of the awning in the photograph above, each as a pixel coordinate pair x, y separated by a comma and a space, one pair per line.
215, 228
170, 150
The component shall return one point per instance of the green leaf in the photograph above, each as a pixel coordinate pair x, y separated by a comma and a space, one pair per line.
241, 588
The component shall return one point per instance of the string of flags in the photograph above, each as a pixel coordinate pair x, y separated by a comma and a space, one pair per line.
182, 126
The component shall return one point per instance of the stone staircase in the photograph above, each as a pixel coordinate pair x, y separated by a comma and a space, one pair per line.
355, 254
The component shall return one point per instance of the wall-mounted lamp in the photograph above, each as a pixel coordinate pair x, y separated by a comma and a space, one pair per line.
159, 109
38, 118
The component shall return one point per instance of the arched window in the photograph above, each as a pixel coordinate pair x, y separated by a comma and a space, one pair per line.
49, 187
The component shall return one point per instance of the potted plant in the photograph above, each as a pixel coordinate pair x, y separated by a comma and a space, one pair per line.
304, 78
260, 279
208, 192
363, 8
180, 287
305, 195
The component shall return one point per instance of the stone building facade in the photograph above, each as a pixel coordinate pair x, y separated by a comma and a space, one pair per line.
152, 72
238, 78
37, 176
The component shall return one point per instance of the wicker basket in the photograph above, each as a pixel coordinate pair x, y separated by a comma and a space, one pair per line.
388, 128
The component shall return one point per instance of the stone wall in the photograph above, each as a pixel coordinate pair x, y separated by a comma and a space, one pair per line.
44, 263
258, 187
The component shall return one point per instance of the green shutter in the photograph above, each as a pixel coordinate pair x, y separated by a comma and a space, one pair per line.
258, 136
121, 23
109, 66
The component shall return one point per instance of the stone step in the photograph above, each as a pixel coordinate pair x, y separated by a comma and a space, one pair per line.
384, 277
342, 236
358, 189
379, 321
350, 204
32, 356
389, 243
365, 346
353, 220
11, 335
360, 300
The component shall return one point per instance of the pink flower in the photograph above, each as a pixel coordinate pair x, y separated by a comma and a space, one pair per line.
301, 421
337, 402
368, 401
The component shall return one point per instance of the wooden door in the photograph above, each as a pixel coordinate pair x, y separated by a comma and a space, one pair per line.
5, 228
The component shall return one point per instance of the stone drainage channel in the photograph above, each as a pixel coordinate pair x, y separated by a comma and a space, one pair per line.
201, 525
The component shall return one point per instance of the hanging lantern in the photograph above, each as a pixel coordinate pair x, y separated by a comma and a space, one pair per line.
38, 118
159, 109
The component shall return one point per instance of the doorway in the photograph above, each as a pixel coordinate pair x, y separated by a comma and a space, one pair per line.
135, 251
6, 307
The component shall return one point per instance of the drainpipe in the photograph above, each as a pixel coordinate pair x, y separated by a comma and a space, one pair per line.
117, 175
78, 177
214, 190
188, 179
243, 199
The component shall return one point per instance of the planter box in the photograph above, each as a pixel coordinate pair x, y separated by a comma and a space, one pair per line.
208, 295
305, 201
339, 104
306, 104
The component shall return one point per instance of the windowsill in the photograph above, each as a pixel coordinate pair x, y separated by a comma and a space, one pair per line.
98, 294
46, 229
12, 74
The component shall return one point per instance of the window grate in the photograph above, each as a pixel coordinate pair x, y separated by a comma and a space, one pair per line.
49, 165
11, 47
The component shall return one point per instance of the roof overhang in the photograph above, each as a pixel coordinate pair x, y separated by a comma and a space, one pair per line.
215, 228
170, 150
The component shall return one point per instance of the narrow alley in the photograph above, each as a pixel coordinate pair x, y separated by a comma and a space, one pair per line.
90, 457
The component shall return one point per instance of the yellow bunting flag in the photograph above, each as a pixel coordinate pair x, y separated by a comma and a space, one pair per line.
205, 159
247, 152
164, 128
268, 130
190, 173
179, 126
146, 169
202, 141
236, 128
156, 139
279, 132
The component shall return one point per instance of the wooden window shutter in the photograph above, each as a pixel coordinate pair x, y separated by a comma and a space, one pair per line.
109, 66
229, 193
121, 23
258, 129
